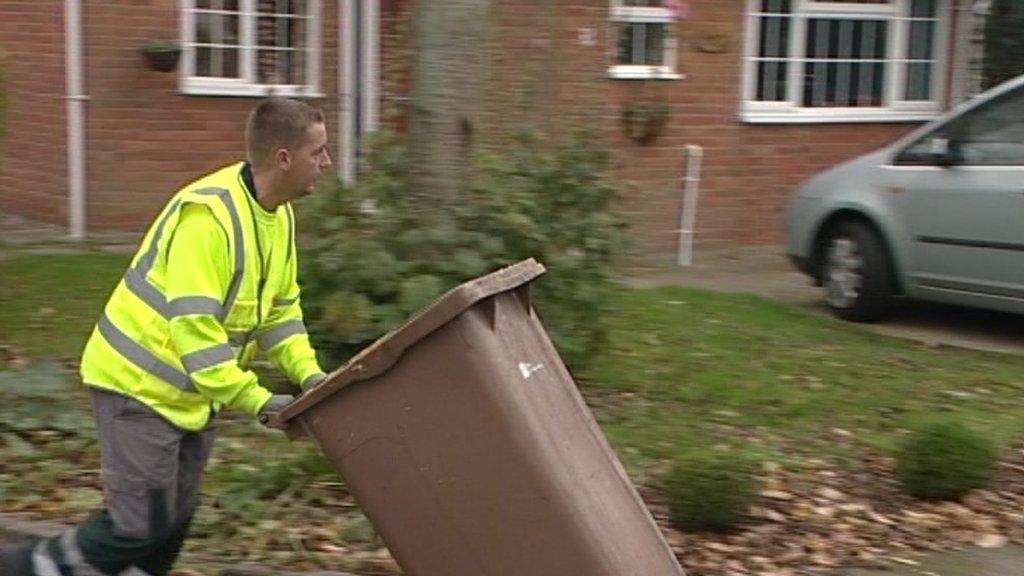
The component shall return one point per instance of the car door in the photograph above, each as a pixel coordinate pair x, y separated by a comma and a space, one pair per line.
959, 193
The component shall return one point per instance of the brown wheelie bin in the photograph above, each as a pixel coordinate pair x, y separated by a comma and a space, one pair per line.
467, 444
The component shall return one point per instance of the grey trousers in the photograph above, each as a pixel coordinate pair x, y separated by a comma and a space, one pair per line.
151, 473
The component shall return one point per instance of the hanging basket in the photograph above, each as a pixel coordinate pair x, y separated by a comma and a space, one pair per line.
162, 56
642, 122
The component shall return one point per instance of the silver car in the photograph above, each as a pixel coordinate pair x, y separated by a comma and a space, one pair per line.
938, 215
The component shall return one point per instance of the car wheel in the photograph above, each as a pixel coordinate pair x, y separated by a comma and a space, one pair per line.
856, 273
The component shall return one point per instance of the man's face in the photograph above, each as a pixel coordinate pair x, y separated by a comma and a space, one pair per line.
309, 160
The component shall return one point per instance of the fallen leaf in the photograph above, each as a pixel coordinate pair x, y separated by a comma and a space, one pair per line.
831, 494
876, 517
991, 541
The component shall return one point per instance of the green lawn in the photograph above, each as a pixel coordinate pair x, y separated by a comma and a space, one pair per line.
49, 303
683, 367
685, 370
689, 368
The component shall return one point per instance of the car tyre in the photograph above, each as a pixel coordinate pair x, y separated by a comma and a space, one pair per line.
855, 272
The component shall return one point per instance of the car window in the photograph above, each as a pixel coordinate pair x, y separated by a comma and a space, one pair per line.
990, 135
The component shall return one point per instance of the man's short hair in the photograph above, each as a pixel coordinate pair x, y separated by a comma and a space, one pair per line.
278, 123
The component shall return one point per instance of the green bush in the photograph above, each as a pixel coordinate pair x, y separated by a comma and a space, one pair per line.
711, 490
370, 259
1004, 43
942, 459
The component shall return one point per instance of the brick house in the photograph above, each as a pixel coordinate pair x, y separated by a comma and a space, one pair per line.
771, 90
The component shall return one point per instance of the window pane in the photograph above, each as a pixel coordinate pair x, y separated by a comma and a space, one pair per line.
230, 29
844, 69
872, 39
203, 4
922, 9
230, 60
654, 49
774, 37
775, 6
231, 5
640, 44
266, 31
921, 40
204, 60
204, 28
854, 1
867, 84
282, 33
771, 86
642, 3
267, 68
919, 77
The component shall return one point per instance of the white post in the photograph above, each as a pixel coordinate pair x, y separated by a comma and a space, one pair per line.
76, 118
688, 214
370, 65
347, 97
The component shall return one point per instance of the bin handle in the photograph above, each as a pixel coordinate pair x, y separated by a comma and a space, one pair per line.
273, 420
386, 351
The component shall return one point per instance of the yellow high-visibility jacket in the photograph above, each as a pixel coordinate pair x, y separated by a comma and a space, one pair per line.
213, 282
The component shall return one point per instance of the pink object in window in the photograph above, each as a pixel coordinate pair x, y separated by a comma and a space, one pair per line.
680, 8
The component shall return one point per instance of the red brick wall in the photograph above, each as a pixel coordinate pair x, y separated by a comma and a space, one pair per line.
33, 171
748, 169
144, 138
546, 78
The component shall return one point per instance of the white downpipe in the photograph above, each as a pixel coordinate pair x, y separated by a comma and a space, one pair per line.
370, 65
688, 215
347, 95
76, 118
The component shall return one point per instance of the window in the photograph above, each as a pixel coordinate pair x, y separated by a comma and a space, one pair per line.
645, 44
990, 135
251, 47
852, 60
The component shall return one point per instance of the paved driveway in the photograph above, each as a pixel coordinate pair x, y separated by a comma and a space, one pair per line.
766, 272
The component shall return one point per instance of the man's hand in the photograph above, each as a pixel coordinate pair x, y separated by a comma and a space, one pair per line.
277, 403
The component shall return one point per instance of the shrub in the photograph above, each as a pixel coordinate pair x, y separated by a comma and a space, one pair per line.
942, 459
1004, 43
711, 490
370, 259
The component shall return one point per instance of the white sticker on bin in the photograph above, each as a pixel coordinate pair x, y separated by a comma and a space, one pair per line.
527, 369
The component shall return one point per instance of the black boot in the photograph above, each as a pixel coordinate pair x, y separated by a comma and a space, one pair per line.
16, 560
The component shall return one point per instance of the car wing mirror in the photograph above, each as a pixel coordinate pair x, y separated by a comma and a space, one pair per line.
944, 151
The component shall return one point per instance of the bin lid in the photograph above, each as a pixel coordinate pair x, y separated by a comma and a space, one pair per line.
380, 356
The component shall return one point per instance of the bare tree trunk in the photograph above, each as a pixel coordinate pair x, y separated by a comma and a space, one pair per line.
450, 64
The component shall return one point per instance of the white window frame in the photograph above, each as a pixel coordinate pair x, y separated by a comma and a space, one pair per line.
893, 108
246, 84
643, 15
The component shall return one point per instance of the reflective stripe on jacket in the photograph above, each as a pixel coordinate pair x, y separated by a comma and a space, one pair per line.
201, 296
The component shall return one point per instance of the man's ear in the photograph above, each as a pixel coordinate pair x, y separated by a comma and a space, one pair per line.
282, 158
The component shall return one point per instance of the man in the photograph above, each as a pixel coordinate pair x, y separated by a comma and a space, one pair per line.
213, 282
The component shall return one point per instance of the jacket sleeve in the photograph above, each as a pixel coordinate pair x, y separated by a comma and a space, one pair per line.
283, 335
199, 270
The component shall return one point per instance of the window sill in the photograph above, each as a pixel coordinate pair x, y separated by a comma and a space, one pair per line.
834, 116
191, 86
642, 73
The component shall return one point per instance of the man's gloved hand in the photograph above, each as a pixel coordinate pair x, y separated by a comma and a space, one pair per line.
277, 403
